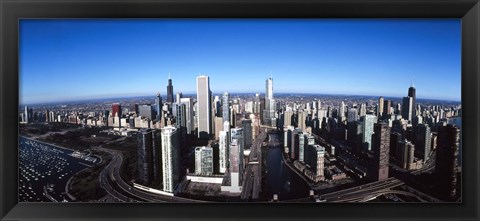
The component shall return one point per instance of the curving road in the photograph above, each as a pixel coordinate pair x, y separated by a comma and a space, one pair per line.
113, 183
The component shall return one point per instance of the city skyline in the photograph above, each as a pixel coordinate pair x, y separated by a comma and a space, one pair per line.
378, 158
78, 59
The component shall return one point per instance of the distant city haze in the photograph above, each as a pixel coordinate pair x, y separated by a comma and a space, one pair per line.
72, 59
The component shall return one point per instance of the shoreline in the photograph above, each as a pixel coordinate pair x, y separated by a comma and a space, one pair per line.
43, 142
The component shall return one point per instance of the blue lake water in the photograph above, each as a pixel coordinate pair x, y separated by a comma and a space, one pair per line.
45, 167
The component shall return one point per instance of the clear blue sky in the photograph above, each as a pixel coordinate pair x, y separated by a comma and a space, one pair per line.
78, 59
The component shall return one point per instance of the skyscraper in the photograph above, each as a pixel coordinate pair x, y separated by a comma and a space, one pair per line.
352, 115
236, 165
354, 136
225, 107
204, 160
170, 158
315, 157
146, 111
204, 107
218, 122
269, 112
223, 151
287, 115
148, 153
179, 97
342, 110
28, 115
217, 107
189, 121
367, 128
411, 93
238, 133
236, 153
446, 160
158, 106
380, 107
181, 115
169, 90
363, 109
116, 110
407, 108
256, 104
405, 154
423, 141
381, 151
269, 89
157, 155
181, 125
303, 143
387, 104
145, 156
302, 118
294, 147
247, 133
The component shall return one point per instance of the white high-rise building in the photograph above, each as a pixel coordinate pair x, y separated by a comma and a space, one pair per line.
27, 117
363, 110
269, 89
204, 107
223, 151
342, 109
225, 107
380, 107
170, 158
204, 160
226, 126
368, 122
269, 112
51, 118
249, 107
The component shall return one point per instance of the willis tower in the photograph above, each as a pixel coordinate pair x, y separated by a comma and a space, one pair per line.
169, 90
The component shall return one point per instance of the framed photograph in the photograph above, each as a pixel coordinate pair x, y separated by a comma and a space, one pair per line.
239, 110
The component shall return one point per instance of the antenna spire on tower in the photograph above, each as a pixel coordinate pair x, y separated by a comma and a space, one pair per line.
169, 76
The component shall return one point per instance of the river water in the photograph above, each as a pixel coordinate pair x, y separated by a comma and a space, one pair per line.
280, 179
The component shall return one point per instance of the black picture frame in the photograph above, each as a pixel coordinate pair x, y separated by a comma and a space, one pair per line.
12, 10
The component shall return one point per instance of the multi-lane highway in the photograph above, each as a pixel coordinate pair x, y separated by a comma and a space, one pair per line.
360, 192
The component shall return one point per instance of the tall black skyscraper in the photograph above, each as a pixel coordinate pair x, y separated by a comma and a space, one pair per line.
407, 108
169, 90
148, 152
446, 160
247, 133
411, 93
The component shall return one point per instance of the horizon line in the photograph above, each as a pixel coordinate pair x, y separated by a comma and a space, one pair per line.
293, 93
